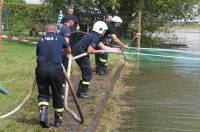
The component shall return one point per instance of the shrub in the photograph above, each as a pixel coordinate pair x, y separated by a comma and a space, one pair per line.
23, 17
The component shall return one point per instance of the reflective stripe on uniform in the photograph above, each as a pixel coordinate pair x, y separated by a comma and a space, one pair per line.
103, 60
84, 82
59, 110
43, 103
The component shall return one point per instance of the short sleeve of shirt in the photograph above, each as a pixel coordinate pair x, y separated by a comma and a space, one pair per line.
64, 43
65, 31
94, 41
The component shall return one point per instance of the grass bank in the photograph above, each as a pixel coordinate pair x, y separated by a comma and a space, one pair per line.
18, 61
111, 118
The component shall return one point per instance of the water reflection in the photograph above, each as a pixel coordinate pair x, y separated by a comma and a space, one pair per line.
166, 97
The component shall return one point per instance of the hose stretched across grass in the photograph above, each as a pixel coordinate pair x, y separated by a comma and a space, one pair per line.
22, 103
75, 99
66, 92
67, 76
66, 95
69, 85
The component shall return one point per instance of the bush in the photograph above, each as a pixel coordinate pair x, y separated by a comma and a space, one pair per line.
24, 17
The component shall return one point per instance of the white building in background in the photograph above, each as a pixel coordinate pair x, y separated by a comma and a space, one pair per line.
33, 1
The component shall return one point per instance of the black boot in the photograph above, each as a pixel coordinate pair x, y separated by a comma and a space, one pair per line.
58, 119
44, 116
82, 93
100, 71
105, 69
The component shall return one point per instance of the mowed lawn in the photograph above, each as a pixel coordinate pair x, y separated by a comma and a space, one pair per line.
17, 72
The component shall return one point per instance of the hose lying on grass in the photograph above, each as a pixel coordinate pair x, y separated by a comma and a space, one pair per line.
75, 99
66, 95
4, 91
65, 104
22, 103
69, 85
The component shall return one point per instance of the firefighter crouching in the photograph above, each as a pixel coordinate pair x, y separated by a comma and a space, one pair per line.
49, 73
88, 44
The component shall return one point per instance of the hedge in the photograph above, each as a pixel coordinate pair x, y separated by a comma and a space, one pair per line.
24, 17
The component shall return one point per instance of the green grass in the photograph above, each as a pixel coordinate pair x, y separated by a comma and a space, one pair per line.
17, 61
17, 72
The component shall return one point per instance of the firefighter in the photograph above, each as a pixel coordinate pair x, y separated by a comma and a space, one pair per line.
88, 44
49, 73
101, 60
65, 31
74, 29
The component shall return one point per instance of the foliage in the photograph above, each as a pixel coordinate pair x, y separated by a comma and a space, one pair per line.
155, 13
14, 1
23, 16
57, 5
103, 5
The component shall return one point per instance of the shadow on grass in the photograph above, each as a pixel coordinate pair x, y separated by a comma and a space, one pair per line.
31, 121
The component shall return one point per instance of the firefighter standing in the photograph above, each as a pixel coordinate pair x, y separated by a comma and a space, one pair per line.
101, 60
88, 44
49, 73
74, 28
65, 31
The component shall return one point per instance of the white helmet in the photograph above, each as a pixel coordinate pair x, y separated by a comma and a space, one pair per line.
100, 27
116, 19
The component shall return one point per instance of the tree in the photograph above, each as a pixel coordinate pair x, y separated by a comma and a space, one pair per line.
160, 10
155, 13
14, 1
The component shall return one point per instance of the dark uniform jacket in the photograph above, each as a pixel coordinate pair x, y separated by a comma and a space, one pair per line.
56, 51
89, 39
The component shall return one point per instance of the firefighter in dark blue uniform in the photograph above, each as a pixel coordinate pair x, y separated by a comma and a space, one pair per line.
101, 60
88, 44
49, 73
65, 31
74, 28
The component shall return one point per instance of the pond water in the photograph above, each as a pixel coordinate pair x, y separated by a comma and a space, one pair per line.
165, 96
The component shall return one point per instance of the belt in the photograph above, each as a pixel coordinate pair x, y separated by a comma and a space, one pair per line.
40, 63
